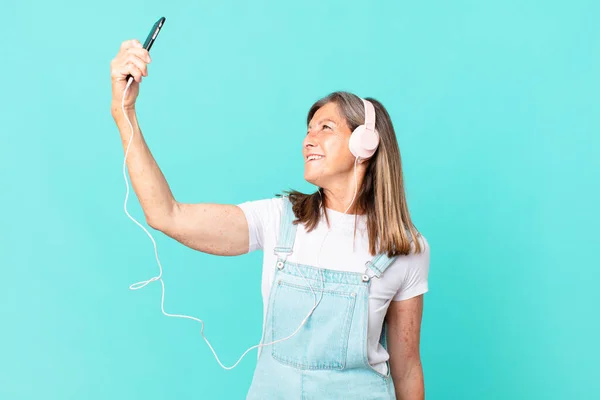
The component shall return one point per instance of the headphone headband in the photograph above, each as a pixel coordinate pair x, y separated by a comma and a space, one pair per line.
365, 139
369, 115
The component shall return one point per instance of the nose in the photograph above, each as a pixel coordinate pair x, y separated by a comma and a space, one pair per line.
310, 140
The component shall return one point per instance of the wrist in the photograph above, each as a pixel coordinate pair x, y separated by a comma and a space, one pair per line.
116, 109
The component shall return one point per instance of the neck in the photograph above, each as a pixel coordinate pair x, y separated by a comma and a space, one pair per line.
339, 195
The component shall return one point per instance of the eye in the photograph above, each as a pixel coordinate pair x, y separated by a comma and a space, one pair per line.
326, 126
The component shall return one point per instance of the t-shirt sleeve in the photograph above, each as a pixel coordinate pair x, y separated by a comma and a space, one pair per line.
417, 271
260, 215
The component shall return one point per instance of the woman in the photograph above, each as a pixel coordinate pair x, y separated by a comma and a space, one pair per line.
344, 268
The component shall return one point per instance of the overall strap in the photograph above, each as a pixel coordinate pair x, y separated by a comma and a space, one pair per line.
379, 264
287, 231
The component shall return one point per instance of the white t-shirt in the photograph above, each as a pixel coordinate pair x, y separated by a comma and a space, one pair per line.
406, 277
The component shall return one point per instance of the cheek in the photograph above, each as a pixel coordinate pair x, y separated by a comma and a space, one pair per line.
338, 151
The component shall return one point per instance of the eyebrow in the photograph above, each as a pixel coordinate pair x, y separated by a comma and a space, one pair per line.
323, 120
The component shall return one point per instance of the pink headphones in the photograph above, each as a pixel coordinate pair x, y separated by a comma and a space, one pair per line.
365, 139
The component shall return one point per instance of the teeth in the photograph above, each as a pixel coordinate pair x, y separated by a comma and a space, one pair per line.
310, 158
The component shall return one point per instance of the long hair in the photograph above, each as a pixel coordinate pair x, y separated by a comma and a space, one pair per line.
381, 195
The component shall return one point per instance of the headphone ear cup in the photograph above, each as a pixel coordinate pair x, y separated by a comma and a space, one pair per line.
363, 142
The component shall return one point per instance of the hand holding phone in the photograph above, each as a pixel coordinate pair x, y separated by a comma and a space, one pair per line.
151, 37
129, 64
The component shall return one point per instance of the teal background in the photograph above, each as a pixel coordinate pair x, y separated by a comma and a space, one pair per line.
496, 109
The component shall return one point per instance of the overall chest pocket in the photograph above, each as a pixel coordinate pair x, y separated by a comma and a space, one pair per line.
322, 342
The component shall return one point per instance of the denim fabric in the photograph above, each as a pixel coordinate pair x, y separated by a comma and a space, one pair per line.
327, 357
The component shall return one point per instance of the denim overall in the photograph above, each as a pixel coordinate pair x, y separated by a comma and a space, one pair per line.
327, 357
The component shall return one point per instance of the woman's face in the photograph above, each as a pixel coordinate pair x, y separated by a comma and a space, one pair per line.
327, 138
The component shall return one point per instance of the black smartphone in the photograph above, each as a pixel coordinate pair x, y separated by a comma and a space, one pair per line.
152, 36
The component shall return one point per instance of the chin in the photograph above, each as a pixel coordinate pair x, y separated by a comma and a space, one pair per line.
315, 181
316, 176
311, 179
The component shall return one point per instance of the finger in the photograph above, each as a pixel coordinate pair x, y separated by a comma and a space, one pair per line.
141, 53
126, 44
130, 43
131, 69
139, 63
135, 72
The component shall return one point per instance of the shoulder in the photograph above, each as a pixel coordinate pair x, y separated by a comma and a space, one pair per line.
424, 246
269, 209
415, 260
412, 271
272, 203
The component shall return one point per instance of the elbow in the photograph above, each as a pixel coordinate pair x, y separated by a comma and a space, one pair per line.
154, 223
161, 222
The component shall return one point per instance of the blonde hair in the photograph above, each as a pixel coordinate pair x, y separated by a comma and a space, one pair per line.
381, 195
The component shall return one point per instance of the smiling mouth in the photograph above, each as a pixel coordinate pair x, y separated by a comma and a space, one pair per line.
314, 158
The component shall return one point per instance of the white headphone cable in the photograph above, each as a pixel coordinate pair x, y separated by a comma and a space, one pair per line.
142, 284
350, 205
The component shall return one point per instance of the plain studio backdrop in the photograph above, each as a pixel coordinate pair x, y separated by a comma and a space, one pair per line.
496, 110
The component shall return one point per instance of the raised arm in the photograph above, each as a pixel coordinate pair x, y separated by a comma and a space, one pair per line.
219, 229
